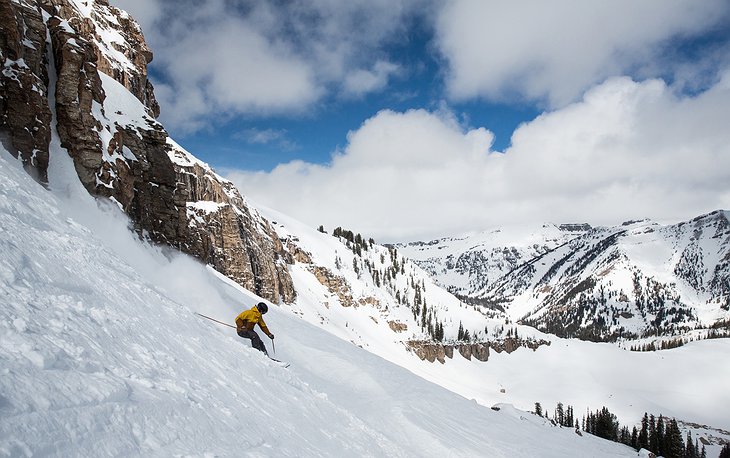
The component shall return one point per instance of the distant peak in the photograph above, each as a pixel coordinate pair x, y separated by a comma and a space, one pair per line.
717, 214
575, 227
635, 221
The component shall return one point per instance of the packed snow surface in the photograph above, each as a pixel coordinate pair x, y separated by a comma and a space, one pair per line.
101, 354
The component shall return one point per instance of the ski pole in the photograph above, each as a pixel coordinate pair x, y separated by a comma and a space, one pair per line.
273, 347
213, 319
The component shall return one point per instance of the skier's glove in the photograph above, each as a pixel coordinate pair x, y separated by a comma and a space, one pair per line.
271, 336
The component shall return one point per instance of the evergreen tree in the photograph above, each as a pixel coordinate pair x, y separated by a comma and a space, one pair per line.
569, 417
538, 409
724, 453
689, 448
606, 425
635, 438
653, 443
559, 414
673, 443
625, 436
643, 439
660, 436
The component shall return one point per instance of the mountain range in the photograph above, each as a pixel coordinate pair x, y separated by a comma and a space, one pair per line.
637, 280
124, 236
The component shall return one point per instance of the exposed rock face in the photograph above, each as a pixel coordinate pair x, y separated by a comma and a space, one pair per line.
299, 254
25, 117
234, 238
397, 326
335, 284
77, 88
338, 286
105, 109
369, 300
436, 351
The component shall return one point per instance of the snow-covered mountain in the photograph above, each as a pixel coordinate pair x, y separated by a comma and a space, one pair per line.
102, 355
468, 266
636, 280
101, 352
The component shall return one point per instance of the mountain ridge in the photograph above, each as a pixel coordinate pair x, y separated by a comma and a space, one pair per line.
87, 86
101, 126
665, 273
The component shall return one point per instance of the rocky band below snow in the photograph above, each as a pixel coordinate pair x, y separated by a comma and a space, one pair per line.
82, 60
437, 351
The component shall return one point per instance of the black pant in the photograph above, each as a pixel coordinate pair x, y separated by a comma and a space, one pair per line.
256, 341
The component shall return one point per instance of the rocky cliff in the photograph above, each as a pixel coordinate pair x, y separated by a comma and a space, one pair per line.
437, 351
78, 69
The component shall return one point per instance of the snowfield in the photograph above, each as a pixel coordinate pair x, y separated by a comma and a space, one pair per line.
101, 354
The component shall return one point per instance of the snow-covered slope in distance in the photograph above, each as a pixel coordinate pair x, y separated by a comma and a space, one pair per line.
102, 355
583, 374
470, 264
639, 279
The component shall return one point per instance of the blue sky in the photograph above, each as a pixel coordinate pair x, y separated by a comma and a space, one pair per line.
260, 142
306, 105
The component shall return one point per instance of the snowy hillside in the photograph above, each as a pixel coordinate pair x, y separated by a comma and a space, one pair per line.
586, 375
101, 354
632, 281
637, 280
469, 265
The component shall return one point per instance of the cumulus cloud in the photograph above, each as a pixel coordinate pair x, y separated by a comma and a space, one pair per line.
626, 150
218, 58
278, 137
361, 81
555, 50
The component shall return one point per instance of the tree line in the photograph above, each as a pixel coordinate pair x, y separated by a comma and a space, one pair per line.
659, 435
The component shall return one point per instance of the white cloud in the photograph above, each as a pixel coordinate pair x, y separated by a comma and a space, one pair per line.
278, 137
556, 50
145, 12
627, 150
217, 58
360, 82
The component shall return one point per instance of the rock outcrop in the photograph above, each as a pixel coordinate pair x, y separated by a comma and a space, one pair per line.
105, 118
335, 284
25, 116
437, 351
233, 237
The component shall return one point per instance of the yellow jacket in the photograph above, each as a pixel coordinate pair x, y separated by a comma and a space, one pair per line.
249, 318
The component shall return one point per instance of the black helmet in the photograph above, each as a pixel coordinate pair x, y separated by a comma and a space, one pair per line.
263, 308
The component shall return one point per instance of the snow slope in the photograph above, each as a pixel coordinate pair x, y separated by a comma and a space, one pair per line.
470, 264
101, 354
687, 383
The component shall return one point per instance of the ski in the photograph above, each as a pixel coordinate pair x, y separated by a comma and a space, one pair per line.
281, 363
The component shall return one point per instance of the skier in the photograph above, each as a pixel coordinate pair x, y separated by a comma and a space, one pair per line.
246, 321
